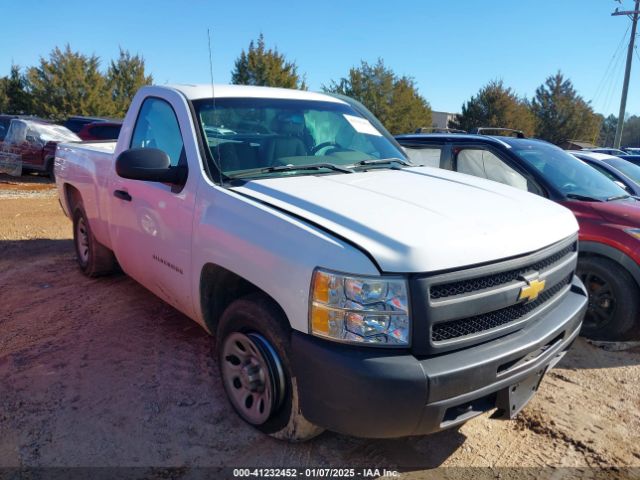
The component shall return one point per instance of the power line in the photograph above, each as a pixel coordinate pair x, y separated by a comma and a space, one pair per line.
602, 85
627, 70
616, 76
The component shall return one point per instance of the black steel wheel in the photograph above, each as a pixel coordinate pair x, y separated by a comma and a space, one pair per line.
614, 299
253, 350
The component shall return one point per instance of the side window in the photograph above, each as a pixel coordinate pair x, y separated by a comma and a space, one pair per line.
429, 157
483, 163
34, 138
157, 127
611, 177
603, 171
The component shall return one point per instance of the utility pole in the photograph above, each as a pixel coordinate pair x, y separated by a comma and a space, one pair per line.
627, 71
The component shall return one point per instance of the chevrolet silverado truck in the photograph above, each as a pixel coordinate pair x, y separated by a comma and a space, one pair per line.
346, 289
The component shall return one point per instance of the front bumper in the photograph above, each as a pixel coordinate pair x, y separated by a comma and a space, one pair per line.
376, 393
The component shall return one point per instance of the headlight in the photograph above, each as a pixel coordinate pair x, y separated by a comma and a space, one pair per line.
634, 232
353, 309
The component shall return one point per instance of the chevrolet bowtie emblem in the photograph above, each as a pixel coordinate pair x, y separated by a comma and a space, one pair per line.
531, 291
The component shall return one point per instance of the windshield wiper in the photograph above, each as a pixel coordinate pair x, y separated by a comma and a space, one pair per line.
383, 161
584, 198
292, 168
617, 197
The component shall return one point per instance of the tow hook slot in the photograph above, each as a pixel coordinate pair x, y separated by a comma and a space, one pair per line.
467, 410
513, 399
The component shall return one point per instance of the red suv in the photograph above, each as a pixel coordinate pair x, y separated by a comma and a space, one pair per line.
609, 261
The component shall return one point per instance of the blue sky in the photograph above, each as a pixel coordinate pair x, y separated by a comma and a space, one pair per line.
451, 48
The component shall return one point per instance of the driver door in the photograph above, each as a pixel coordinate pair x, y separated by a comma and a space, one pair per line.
151, 222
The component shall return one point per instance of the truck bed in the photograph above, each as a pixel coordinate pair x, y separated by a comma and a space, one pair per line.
87, 167
106, 146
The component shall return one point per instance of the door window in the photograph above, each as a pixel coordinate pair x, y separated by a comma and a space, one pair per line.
603, 171
157, 127
429, 157
483, 163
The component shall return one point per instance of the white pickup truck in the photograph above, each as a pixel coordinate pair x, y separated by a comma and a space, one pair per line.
346, 288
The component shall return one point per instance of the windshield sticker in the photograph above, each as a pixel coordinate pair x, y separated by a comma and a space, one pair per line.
362, 125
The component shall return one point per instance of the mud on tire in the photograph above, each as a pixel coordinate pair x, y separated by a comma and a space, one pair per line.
257, 317
93, 258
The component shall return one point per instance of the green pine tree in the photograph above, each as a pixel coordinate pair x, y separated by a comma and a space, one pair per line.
495, 106
266, 67
561, 114
68, 83
394, 100
124, 77
14, 97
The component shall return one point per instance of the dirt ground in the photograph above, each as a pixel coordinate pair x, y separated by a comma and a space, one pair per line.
103, 373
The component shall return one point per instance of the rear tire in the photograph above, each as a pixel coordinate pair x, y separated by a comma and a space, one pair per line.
93, 258
614, 300
253, 350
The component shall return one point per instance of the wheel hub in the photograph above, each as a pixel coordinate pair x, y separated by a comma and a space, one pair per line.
602, 303
253, 376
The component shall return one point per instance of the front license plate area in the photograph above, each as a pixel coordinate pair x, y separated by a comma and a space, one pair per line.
514, 398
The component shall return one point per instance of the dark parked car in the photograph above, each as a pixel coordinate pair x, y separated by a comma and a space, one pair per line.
635, 159
624, 173
609, 262
76, 123
605, 150
100, 131
5, 120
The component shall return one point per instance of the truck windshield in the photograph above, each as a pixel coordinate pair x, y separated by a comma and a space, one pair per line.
251, 135
572, 177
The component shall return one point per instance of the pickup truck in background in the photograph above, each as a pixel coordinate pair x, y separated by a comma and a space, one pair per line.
346, 289
30, 146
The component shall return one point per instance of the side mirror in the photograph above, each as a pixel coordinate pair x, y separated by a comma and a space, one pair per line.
149, 164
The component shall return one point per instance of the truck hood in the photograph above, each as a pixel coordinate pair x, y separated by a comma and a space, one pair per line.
420, 219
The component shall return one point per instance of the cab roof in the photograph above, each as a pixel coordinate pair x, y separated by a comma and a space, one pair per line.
195, 92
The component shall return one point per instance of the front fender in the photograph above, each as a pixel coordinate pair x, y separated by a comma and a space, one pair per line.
271, 249
613, 254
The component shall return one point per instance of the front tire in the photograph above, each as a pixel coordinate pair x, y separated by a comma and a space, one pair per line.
93, 258
253, 348
614, 300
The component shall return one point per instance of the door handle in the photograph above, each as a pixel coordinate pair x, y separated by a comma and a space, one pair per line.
122, 195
